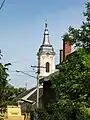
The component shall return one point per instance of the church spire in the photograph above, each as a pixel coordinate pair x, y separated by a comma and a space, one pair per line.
46, 35
46, 55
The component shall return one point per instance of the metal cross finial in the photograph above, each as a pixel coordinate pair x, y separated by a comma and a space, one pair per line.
46, 24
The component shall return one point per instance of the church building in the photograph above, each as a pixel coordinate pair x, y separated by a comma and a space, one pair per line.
46, 69
46, 55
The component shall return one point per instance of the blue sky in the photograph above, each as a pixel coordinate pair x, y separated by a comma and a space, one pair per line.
21, 31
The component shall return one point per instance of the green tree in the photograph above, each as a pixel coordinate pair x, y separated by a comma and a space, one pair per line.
81, 37
3, 84
72, 87
12, 93
72, 84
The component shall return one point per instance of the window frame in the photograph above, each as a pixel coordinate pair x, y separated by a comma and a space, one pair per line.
47, 67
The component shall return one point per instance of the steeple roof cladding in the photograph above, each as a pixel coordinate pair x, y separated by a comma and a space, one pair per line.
46, 46
46, 35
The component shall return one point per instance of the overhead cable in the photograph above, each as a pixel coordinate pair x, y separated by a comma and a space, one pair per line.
2, 4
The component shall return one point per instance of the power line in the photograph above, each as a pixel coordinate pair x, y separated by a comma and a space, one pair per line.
19, 61
2, 4
23, 71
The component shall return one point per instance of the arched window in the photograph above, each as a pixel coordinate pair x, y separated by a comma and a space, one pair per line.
47, 66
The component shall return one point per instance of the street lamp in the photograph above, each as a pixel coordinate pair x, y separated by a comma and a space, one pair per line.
26, 74
38, 72
37, 84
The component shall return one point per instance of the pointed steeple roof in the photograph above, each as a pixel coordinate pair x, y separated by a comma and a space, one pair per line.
46, 46
46, 35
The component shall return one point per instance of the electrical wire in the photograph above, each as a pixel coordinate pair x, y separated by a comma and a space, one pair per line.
23, 71
20, 61
2, 4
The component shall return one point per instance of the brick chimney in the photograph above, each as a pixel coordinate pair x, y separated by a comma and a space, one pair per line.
66, 49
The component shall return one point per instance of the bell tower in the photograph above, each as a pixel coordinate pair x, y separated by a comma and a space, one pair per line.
46, 55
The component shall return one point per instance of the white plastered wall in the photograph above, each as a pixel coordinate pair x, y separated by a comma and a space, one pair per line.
43, 59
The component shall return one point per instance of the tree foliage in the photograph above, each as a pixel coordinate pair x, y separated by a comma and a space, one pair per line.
72, 85
73, 88
12, 93
81, 37
3, 85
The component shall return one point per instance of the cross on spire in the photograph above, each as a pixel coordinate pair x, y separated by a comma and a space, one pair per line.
45, 24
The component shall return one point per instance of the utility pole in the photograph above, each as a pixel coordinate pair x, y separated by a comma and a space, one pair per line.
38, 72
